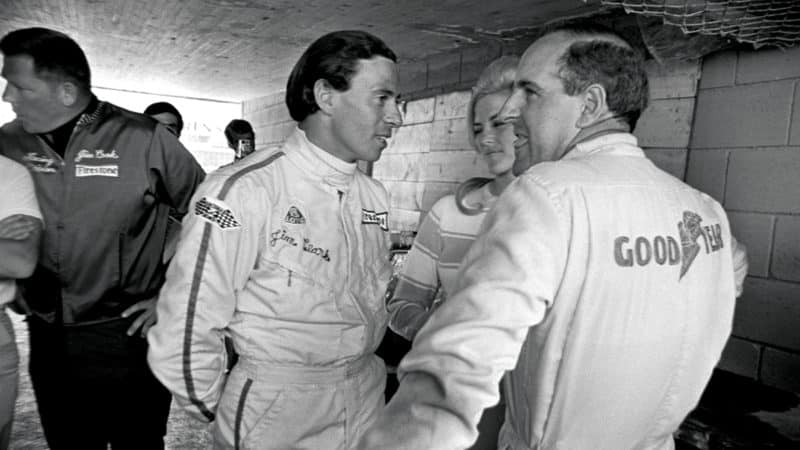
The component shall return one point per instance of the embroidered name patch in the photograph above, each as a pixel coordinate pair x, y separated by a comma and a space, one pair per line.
38, 162
110, 170
372, 218
215, 213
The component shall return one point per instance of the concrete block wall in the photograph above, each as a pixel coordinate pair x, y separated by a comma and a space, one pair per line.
745, 152
270, 119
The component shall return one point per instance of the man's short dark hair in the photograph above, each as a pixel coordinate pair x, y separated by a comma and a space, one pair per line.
605, 58
333, 58
53, 53
164, 107
238, 129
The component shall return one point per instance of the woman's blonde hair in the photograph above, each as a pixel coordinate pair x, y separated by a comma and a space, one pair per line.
498, 76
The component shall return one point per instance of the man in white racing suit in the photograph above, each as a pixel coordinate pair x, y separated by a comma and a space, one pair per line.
604, 285
287, 252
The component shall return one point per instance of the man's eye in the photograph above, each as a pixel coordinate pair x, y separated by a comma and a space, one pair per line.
477, 130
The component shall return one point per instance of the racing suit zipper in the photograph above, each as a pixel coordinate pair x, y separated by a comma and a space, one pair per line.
347, 242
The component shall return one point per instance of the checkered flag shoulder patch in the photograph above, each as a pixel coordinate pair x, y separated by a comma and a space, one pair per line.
215, 213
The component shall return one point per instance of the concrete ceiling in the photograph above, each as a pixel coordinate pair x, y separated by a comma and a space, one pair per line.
241, 49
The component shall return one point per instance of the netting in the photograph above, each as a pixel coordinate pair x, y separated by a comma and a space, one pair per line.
758, 22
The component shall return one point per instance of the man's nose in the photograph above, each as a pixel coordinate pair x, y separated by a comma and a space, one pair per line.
394, 115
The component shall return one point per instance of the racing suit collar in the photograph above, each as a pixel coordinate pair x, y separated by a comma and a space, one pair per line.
332, 170
612, 143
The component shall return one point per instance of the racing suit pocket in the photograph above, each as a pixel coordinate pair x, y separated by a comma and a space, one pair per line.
256, 412
308, 416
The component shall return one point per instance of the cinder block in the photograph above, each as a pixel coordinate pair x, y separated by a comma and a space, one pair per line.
412, 76
454, 166
706, 171
444, 69
767, 65
277, 133
743, 116
674, 80
419, 111
450, 134
666, 123
719, 69
781, 369
767, 312
475, 59
410, 139
786, 252
452, 105
670, 160
252, 105
405, 194
434, 191
740, 357
764, 180
398, 167
794, 134
278, 113
403, 220
755, 232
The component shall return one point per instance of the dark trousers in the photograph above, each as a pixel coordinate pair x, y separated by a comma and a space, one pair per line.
93, 387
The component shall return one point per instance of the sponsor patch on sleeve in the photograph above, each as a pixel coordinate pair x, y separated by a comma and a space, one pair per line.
216, 212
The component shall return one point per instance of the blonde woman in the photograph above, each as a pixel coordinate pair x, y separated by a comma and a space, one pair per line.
448, 230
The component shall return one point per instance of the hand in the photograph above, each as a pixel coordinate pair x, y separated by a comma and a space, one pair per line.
145, 320
17, 227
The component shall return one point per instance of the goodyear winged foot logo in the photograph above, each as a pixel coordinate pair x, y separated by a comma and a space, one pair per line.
693, 237
689, 230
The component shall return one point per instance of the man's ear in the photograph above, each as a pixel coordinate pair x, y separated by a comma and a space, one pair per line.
68, 93
595, 107
324, 95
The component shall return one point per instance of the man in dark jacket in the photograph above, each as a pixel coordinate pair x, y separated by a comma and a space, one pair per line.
106, 179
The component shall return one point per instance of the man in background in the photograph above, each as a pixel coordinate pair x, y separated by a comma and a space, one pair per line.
241, 138
106, 179
166, 115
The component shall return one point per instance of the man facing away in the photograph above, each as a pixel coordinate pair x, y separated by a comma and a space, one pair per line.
287, 252
240, 137
20, 232
605, 285
106, 179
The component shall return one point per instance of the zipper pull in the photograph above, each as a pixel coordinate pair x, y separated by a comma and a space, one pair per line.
341, 194
290, 278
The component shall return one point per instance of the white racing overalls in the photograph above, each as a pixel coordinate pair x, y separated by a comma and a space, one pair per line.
288, 253
604, 284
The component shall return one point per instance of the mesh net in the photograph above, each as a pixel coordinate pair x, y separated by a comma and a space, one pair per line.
758, 22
